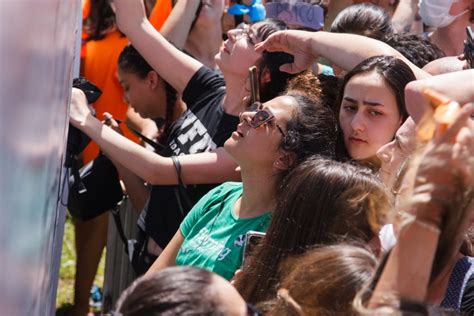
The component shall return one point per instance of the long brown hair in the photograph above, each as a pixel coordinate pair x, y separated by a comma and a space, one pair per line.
100, 21
321, 202
323, 281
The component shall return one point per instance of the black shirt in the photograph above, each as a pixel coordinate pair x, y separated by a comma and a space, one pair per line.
204, 126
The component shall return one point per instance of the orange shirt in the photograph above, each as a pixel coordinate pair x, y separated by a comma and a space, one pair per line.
100, 67
160, 13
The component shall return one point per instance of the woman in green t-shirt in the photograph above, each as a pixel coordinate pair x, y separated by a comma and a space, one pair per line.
266, 145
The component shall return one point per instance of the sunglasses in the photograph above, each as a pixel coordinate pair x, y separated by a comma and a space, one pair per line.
263, 117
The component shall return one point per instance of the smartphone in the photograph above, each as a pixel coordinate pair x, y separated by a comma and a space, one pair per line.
254, 88
252, 238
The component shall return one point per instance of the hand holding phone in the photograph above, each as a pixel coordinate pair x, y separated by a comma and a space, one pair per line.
252, 239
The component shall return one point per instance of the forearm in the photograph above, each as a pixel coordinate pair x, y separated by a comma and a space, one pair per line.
172, 65
145, 164
408, 269
407, 272
456, 86
348, 50
404, 15
178, 24
208, 167
168, 257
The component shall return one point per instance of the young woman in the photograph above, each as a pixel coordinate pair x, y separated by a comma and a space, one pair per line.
454, 256
213, 105
266, 144
102, 43
435, 217
321, 202
372, 105
372, 98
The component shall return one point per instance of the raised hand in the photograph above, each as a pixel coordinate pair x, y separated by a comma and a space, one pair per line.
129, 14
447, 166
296, 43
79, 108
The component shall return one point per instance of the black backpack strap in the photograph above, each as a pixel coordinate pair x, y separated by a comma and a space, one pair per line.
77, 178
129, 244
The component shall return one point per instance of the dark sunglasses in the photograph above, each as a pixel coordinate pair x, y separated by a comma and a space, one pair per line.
262, 117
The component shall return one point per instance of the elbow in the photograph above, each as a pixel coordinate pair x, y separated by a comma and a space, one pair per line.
414, 88
414, 99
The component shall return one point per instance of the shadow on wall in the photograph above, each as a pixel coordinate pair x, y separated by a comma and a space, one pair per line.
36, 60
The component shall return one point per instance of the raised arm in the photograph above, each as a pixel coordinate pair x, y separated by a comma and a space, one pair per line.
457, 86
445, 174
344, 50
209, 167
172, 65
178, 24
404, 15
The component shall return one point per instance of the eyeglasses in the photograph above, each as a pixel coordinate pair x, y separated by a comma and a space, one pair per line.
241, 31
263, 117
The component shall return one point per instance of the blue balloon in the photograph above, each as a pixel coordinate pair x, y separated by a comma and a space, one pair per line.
255, 11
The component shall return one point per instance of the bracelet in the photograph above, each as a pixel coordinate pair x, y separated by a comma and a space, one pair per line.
177, 166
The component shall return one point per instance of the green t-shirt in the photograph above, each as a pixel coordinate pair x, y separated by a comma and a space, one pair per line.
213, 235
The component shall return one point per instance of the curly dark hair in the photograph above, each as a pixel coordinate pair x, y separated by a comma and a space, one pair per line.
417, 50
271, 61
311, 130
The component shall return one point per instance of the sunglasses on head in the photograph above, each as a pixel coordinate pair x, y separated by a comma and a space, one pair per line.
262, 117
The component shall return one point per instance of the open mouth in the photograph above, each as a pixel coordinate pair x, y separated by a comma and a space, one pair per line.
357, 140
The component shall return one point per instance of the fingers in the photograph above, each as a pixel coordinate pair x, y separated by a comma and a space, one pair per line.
274, 43
78, 95
110, 121
290, 68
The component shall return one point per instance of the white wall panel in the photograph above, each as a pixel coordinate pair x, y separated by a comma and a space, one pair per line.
37, 49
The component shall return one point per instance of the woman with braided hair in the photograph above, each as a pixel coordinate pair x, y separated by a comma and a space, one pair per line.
213, 103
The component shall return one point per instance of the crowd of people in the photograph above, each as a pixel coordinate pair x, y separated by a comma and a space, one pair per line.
349, 154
